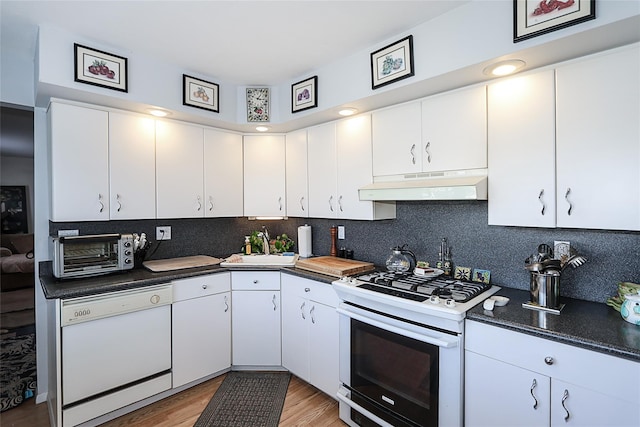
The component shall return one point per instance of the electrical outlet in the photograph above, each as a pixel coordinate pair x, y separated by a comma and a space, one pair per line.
341, 232
163, 233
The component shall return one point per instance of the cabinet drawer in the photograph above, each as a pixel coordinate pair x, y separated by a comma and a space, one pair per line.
320, 292
255, 280
200, 286
579, 366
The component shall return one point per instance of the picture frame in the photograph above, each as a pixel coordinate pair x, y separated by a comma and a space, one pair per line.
258, 100
304, 94
13, 209
392, 63
482, 276
532, 18
98, 68
200, 93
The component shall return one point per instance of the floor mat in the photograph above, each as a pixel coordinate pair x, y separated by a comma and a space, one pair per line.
17, 367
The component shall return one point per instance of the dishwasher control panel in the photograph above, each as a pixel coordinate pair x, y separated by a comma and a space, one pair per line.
84, 309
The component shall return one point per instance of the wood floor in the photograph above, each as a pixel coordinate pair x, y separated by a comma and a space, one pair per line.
304, 406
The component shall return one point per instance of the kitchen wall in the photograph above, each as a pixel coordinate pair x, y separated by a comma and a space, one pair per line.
614, 256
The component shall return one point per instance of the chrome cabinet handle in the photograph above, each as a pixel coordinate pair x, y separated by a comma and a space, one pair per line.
302, 203
199, 204
100, 202
340, 203
210, 203
118, 202
566, 197
565, 396
313, 319
549, 360
274, 302
280, 203
533, 386
331, 203
226, 305
307, 290
302, 310
542, 201
255, 282
413, 154
426, 149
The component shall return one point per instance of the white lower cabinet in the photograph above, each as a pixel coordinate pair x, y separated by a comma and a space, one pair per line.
201, 327
256, 336
310, 332
515, 379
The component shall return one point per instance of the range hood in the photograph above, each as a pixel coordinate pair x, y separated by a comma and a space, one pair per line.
454, 185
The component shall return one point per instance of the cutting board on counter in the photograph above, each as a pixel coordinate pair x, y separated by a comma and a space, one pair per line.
180, 263
334, 266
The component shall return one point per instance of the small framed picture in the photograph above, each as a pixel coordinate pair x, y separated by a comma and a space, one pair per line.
258, 104
304, 94
200, 94
482, 276
533, 18
462, 273
392, 63
98, 68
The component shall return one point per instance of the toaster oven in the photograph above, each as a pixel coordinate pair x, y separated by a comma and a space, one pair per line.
91, 255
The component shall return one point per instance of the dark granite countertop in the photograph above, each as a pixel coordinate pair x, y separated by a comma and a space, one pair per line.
591, 325
71, 288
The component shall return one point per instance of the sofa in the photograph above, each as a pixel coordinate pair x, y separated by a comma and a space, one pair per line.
16, 261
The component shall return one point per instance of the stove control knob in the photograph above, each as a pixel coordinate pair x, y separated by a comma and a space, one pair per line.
344, 279
450, 303
353, 281
434, 299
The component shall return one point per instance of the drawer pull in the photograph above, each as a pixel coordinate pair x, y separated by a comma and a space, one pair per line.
307, 290
255, 282
204, 286
274, 302
533, 386
565, 396
549, 360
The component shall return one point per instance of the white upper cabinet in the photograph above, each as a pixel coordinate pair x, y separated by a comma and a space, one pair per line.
223, 175
264, 175
179, 170
79, 139
322, 168
598, 141
397, 140
521, 151
132, 167
296, 174
454, 130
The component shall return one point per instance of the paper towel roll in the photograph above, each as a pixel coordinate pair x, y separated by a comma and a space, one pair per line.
304, 241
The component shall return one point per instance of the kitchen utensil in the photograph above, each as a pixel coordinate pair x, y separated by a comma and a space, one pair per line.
545, 289
575, 261
550, 264
400, 259
543, 248
630, 309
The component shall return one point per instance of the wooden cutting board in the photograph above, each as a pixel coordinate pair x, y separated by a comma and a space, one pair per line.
171, 264
334, 266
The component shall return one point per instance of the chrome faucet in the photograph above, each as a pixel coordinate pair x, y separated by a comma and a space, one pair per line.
265, 239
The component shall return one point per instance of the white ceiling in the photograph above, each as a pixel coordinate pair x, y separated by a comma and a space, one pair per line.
237, 42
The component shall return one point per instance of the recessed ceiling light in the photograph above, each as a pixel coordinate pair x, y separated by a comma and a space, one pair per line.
159, 113
504, 68
262, 128
347, 111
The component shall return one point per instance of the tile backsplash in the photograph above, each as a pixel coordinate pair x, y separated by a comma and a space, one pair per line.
613, 256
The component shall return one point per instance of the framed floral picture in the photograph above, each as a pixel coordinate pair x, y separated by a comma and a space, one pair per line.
533, 18
98, 68
392, 63
200, 94
304, 94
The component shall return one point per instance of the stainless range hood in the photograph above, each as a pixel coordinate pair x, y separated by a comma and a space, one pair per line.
454, 185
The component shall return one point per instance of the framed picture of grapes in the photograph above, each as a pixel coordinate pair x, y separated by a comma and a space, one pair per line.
99, 68
200, 93
392, 63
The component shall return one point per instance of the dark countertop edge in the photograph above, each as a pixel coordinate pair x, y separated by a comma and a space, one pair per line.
602, 335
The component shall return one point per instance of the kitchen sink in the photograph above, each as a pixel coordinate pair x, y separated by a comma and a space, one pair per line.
263, 261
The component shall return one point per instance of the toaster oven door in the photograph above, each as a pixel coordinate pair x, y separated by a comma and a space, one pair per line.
86, 255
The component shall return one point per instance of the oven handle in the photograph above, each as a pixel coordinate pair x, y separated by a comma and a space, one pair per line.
399, 331
343, 396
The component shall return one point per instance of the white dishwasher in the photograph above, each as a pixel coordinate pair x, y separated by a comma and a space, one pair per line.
116, 350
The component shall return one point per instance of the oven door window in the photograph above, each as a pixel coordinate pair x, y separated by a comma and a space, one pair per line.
394, 372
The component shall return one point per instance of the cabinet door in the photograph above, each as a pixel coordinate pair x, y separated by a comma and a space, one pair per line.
454, 130
201, 331
295, 335
132, 166
323, 348
256, 333
598, 142
323, 202
397, 137
223, 175
79, 163
500, 394
179, 170
521, 156
296, 171
264, 175
353, 143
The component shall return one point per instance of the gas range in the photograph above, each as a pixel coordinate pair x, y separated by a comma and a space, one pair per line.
431, 299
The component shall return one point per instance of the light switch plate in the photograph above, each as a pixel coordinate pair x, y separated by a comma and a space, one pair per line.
163, 233
341, 232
